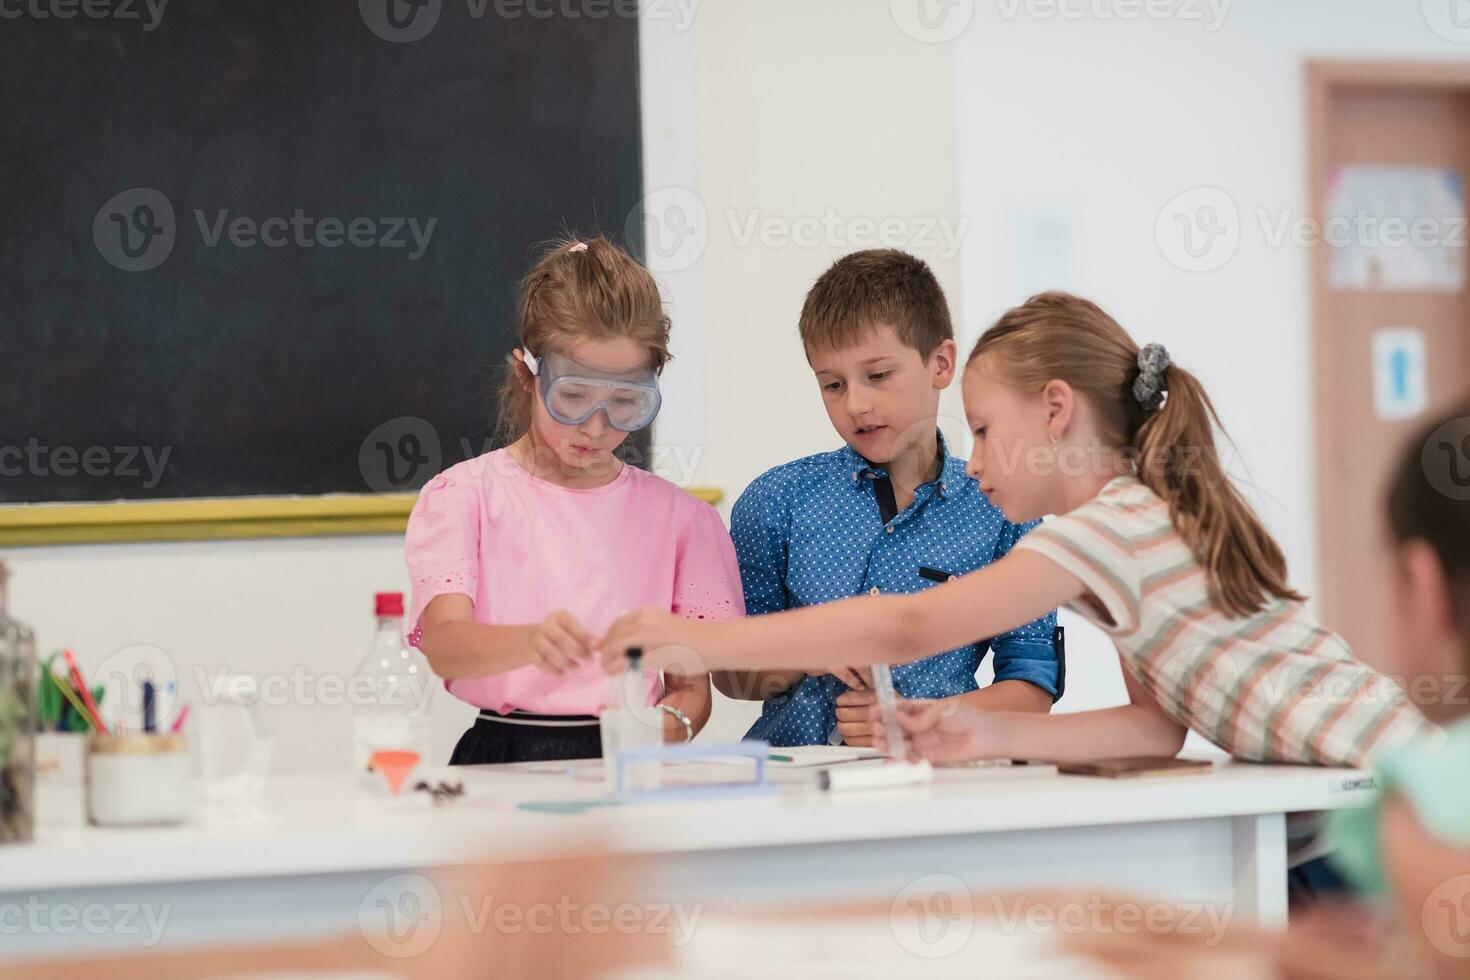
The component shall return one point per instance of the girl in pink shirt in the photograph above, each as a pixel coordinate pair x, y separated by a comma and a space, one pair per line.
520, 557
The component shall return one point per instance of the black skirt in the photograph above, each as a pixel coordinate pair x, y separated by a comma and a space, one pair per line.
491, 740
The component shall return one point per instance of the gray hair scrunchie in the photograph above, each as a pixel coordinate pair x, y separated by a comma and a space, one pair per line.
1150, 388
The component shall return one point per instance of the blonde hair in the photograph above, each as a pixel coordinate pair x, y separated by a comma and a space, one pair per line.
578, 290
1058, 336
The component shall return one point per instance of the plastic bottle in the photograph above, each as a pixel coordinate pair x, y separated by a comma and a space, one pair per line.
390, 697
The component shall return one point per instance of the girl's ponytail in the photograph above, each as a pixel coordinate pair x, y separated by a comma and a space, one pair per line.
1174, 449
1160, 415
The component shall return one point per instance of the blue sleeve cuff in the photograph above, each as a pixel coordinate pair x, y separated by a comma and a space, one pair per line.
1034, 662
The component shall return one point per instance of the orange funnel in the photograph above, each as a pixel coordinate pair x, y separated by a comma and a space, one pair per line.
395, 765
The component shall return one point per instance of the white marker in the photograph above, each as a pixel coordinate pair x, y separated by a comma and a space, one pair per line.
885, 776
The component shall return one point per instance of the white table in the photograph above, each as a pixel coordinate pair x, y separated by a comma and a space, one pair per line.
305, 863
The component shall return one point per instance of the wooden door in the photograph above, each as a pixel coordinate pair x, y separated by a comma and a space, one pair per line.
1412, 116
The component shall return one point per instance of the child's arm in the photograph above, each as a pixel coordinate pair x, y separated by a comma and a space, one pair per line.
1025, 659
457, 646
863, 630
1008, 696
689, 693
944, 733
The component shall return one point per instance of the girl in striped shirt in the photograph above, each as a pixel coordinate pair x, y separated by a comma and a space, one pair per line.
1153, 544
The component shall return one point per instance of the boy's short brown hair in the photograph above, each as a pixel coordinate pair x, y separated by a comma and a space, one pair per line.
878, 286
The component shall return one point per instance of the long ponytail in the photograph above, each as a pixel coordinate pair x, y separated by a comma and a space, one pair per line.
1175, 454
1058, 336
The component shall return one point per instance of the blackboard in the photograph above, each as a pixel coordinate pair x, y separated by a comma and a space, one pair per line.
327, 204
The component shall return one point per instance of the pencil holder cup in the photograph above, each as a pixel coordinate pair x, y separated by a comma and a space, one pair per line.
61, 758
136, 778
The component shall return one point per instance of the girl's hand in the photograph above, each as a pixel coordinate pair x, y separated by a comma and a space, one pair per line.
653, 630
944, 731
560, 643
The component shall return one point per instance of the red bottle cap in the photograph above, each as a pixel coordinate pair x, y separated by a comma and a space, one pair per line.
389, 603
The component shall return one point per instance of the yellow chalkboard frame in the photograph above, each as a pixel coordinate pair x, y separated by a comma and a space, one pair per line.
224, 518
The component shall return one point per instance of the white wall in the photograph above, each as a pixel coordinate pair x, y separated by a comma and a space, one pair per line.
1060, 140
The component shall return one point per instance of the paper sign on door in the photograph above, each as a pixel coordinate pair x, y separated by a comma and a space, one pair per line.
1400, 373
1396, 228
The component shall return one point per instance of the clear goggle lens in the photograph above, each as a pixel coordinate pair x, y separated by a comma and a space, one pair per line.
628, 407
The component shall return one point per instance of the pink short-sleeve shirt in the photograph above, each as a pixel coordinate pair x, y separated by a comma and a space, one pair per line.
522, 548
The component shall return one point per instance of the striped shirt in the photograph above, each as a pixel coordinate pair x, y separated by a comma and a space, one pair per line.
1274, 686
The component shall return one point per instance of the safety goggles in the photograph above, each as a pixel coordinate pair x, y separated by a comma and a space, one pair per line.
573, 392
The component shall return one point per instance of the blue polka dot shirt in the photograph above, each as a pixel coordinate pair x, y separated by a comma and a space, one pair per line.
811, 531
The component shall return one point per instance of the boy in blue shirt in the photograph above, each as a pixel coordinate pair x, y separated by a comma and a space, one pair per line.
891, 511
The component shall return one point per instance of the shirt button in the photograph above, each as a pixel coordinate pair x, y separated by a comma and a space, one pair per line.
889, 529
873, 590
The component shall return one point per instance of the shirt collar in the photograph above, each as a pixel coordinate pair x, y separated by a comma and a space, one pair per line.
951, 470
